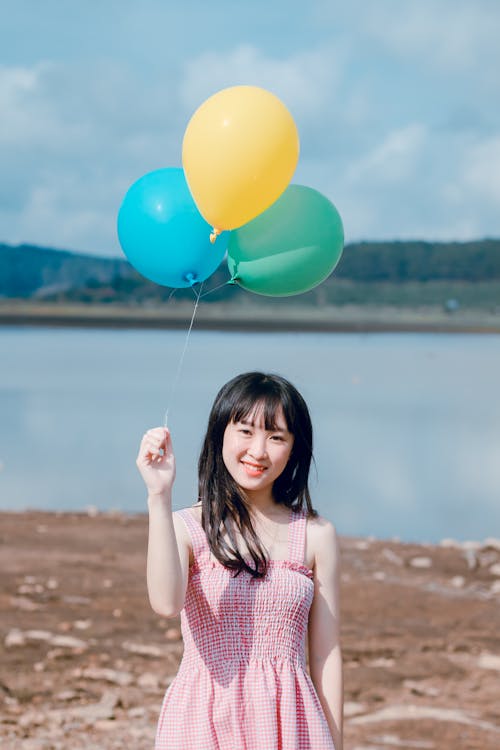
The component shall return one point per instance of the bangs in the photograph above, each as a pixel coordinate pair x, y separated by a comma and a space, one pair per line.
265, 404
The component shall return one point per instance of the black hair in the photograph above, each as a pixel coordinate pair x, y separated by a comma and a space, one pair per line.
224, 504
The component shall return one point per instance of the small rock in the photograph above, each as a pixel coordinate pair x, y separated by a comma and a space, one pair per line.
39, 666
117, 612
14, 637
351, 708
392, 557
471, 544
362, 545
105, 725
382, 661
31, 718
488, 661
471, 558
56, 653
138, 712
418, 689
108, 675
105, 709
450, 544
148, 681
82, 624
52, 583
458, 582
492, 542
421, 562
67, 695
173, 634
495, 587
107, 583
379, 575
142, 650
495, 570
21, 602
84, 600
68, 641
38, 635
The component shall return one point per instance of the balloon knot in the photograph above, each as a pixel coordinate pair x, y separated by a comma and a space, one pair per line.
214, 234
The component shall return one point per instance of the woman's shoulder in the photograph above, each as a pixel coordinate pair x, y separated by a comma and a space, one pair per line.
321, 530
180, 525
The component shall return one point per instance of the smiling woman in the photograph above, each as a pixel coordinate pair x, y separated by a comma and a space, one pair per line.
246, 606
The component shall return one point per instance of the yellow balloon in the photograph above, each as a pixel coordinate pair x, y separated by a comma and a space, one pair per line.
239, 153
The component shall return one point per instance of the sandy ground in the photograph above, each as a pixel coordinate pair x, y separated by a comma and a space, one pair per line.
85, 661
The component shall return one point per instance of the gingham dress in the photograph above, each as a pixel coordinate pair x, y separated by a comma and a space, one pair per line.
242, 683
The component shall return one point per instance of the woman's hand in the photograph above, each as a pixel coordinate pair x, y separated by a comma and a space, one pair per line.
156, 461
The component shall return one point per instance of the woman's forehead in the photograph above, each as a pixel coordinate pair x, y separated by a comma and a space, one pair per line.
263, 414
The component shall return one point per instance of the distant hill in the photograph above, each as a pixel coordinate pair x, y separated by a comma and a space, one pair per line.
366, 268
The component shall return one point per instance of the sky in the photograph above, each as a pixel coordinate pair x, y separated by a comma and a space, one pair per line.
397, 105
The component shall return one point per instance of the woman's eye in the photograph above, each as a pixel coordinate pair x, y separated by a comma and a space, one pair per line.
245, 432
277, 438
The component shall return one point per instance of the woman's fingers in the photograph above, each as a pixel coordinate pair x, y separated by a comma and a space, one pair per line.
154, 444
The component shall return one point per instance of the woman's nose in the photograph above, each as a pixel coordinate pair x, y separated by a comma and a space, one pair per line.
257, 447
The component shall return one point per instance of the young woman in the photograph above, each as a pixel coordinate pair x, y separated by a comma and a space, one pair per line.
250, 569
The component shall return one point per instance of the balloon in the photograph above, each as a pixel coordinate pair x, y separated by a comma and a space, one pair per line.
239, 153
162, 233
290, 248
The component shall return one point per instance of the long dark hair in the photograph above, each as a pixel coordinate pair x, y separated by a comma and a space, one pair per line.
224, 504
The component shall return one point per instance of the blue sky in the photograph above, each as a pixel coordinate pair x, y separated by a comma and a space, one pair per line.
397, 103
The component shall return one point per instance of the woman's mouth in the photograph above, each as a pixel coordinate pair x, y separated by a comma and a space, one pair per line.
253, 470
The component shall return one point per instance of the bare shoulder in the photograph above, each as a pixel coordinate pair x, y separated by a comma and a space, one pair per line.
181, 530
321, 528
322, 537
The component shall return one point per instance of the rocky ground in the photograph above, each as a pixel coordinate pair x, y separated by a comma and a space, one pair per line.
85, 661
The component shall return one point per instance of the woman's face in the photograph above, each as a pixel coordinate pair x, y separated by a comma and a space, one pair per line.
255, 457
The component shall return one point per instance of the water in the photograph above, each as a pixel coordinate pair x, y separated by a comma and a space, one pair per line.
407, 426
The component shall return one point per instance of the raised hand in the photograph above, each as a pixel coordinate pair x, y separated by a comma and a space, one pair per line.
156, 461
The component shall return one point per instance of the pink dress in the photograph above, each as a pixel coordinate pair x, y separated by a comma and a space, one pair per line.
242, 683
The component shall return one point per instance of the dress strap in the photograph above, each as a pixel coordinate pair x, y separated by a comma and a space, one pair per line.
201, 549
297, 536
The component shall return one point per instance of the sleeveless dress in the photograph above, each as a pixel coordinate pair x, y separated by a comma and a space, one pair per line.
242, 683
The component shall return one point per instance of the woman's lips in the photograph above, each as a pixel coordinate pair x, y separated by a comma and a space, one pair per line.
253, 470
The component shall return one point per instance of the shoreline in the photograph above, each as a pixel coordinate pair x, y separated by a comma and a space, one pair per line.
218, 317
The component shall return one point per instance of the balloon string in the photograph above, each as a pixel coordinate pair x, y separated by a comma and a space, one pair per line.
179, 366
215, 288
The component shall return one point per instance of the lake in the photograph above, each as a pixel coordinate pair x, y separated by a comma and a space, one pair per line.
407, 426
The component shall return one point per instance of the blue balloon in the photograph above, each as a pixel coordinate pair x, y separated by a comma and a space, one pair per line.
163, 234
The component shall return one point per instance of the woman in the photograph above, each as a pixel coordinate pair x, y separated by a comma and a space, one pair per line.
250, 569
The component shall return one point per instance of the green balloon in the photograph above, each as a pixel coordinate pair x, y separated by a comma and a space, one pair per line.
290, 248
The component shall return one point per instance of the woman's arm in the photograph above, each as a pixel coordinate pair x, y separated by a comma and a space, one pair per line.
325, 655
168, 555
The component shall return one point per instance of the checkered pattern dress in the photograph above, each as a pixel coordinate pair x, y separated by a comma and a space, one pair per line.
242, 683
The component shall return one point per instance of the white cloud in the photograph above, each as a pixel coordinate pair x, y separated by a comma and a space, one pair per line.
481, 171
454, 36
392, 161
72, 139
305, 81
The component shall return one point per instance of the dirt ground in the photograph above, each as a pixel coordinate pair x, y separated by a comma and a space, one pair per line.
85, 661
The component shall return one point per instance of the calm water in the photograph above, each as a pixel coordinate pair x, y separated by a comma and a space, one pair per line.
407, 426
